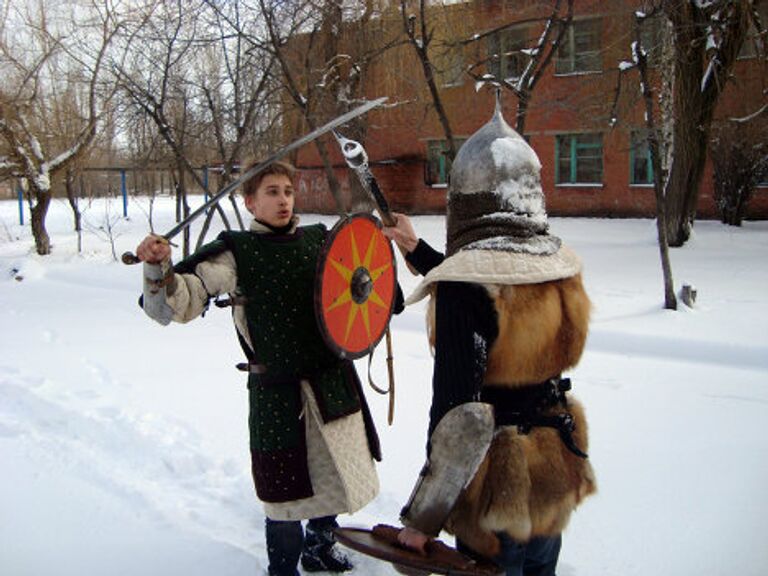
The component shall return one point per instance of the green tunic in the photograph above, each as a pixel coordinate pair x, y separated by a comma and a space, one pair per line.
276, 276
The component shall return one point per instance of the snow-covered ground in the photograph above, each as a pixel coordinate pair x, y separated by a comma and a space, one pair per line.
123, 444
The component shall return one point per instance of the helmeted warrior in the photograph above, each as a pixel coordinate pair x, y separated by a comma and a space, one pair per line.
508, 315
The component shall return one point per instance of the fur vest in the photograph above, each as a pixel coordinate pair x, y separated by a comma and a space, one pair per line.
529, 484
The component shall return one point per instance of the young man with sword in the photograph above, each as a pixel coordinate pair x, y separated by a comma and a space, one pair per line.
313, 443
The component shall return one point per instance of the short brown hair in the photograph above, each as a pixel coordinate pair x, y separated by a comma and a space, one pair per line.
277, 167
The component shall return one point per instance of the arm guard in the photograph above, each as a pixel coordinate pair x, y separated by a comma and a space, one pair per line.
157, 279
458, 446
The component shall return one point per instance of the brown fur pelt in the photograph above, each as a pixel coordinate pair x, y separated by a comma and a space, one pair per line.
529, 484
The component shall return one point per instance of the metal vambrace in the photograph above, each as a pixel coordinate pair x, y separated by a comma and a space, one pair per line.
156, 278
458, 446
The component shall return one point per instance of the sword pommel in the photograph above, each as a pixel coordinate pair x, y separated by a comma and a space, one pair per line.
354, 153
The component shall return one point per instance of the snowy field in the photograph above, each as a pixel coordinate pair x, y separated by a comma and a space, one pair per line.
124, 444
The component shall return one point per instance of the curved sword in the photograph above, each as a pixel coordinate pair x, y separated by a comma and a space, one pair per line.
130, 258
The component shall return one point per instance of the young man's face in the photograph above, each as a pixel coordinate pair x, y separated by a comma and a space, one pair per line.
273, 201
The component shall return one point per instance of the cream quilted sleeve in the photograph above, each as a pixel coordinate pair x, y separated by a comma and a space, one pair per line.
188, 294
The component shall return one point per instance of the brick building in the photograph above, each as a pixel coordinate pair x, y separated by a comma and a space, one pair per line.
591, 165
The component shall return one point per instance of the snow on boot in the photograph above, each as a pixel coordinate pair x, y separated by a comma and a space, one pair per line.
321, 553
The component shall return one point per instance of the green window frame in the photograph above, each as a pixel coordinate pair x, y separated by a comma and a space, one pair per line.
438, 165
763, 182
640, 164
579, 159
506, 58
581, 49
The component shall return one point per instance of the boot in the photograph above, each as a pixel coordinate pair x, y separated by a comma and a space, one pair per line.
320, 552
284, 545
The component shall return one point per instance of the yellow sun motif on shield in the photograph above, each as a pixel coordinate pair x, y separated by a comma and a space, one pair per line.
347, 274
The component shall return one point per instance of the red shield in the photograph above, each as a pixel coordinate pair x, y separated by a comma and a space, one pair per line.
356, 286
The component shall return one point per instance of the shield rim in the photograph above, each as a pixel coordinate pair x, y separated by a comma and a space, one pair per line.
337, 348
381, 549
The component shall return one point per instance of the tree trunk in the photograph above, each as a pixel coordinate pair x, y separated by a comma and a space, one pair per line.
698, 83
522, 113
37, 221
69, 184
183, 205
333, 182
670, 301
688, 160
690, 150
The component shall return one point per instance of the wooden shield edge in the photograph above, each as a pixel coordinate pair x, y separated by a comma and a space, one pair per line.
377, 543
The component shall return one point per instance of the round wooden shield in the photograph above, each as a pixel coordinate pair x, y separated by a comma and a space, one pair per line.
356, 286
381, 542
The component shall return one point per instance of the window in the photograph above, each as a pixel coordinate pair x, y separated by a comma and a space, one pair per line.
449, 66
505, 56
579, 159
753, 43
580, 50
640, 165
652, 38
438, 164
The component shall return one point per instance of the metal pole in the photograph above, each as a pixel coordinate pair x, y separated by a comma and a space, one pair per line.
124, 190
20, 191
205, 185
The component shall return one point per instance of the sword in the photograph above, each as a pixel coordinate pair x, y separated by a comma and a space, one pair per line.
130, 258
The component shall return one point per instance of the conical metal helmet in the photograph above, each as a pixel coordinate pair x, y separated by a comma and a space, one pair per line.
495, 200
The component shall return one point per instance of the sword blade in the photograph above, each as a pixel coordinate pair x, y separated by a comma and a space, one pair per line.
281, 153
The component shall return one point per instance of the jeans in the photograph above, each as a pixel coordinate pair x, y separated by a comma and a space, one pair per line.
285, 541
537, 557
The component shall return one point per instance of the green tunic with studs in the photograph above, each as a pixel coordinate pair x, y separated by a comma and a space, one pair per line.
276, 278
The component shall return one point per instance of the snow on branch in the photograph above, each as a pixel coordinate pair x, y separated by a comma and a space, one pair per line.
7, 165
755, 114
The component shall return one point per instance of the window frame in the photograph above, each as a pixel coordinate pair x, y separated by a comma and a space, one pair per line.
753, 44
567, 64
652, 38
574, 147
444, 166
449, 66
637, 139
513, 39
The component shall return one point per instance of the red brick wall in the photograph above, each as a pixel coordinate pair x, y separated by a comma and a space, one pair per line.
396, 139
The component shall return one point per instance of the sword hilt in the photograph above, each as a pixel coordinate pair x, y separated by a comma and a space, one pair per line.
129, 258
357, 158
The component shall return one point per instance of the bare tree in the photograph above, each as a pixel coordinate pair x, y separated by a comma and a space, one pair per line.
72, 196
640, 57
52, 65
236, 84
420, 36
157, 80
532, 58
706, 37
323, 51
740, 162
298, 82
